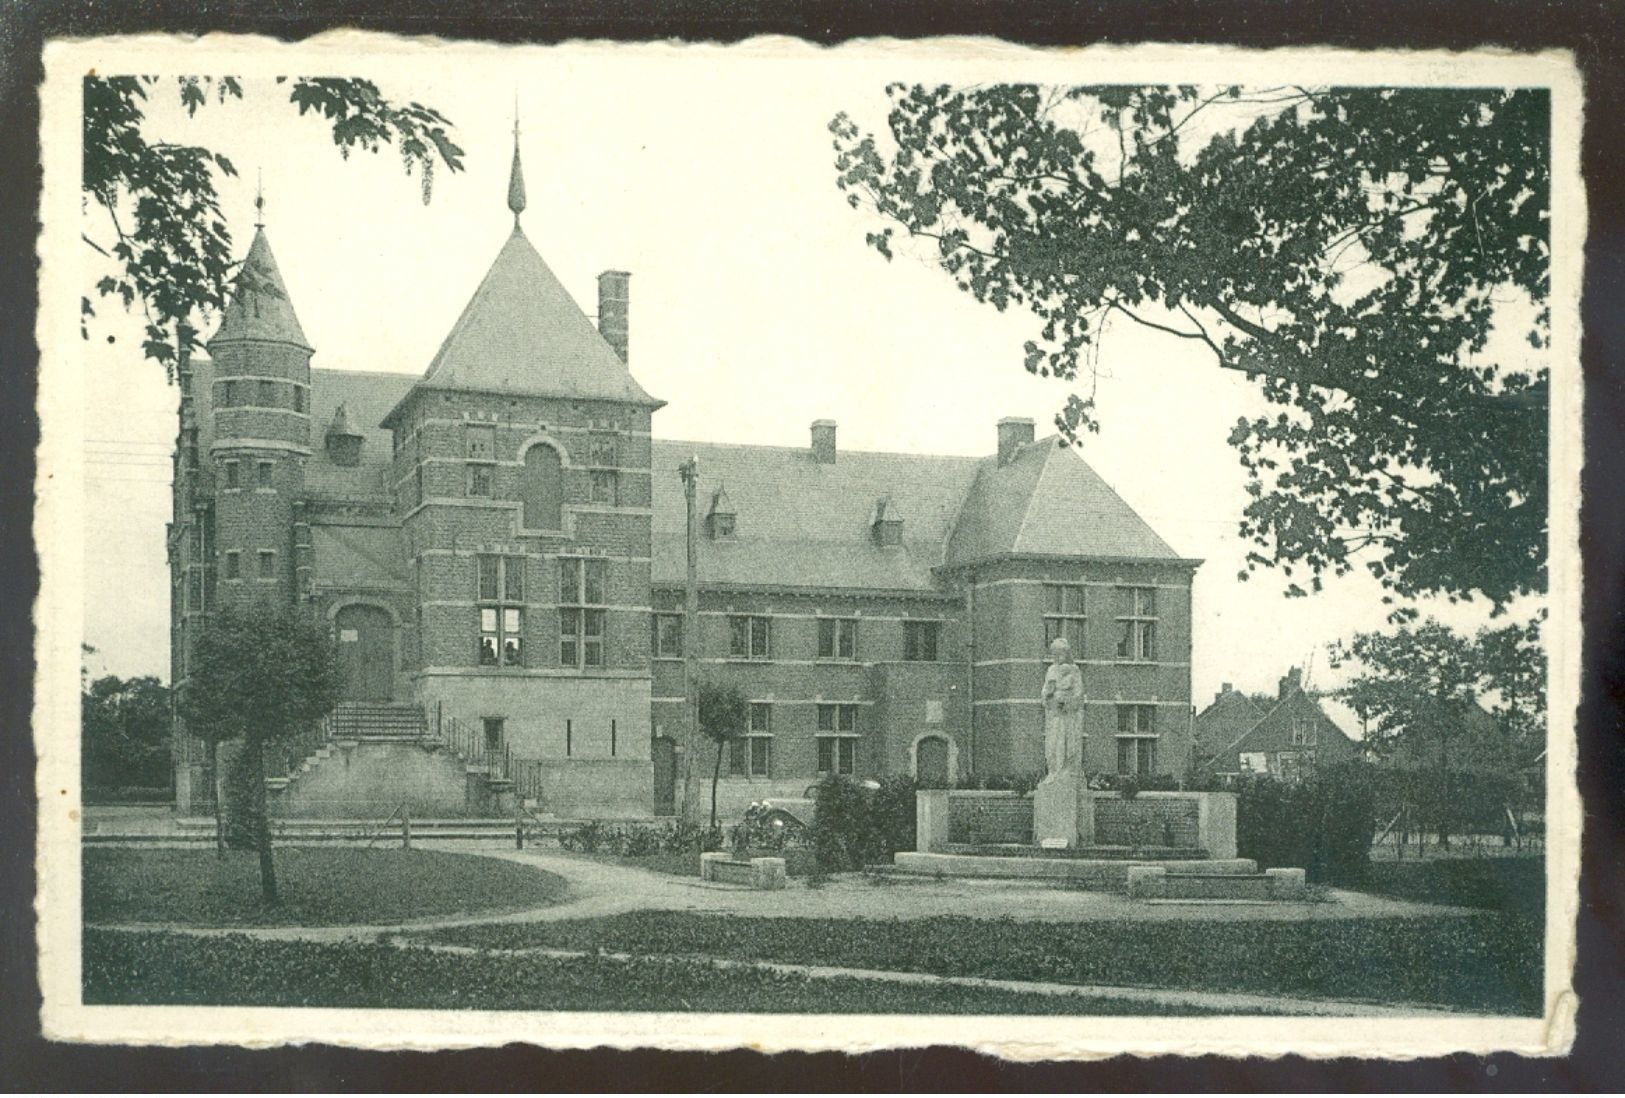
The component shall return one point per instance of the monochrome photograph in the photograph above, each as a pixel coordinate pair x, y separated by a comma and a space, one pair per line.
1059, 553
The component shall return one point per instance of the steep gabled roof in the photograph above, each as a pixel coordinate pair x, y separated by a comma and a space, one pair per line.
1231, 715
1047, 501
260, 307
804, 523
367, 395
522, 333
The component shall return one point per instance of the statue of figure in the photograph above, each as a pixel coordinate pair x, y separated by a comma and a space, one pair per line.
1063, 711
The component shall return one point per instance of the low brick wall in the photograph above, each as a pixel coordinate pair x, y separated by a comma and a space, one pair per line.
1147, 821
975, 816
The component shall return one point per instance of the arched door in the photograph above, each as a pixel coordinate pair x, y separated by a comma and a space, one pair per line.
931, 762
366, 653
665, 760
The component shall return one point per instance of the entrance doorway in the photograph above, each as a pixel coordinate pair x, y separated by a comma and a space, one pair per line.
931, 762
664, 751
366, 653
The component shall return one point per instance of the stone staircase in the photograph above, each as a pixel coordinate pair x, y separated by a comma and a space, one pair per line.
379, 722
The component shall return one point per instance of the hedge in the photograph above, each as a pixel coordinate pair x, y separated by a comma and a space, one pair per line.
855, 825
1323, 824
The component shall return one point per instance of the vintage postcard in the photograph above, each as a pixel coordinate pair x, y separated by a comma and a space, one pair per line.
1064, 553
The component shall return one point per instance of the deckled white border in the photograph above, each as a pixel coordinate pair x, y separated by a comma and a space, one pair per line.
59, 612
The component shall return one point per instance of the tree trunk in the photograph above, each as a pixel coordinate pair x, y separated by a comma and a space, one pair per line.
716, 777
262, 823
1444, 785
219, 795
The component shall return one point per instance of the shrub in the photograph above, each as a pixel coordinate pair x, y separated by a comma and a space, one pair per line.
855, 824
1324, 825
636, 840
1024, 782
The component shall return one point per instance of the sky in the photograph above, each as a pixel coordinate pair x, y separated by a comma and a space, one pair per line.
756, 307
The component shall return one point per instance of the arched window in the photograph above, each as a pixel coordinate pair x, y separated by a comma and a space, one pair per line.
544, 489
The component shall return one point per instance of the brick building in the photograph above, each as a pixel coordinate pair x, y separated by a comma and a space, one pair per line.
501, 542
1285, 737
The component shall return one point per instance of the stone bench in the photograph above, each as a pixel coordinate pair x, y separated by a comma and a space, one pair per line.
761, 873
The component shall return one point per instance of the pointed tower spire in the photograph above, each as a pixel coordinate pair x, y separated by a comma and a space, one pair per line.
516, 176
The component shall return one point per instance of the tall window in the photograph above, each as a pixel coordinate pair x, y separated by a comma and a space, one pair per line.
837, 638
837, 739
228, 396
1136, 739
480, 479
749, 637
920, 640
667, 641
501, 597
267, 394
605, 486
299, 398
1064, 616
1137, 623
263, 472
234, 564
543, 490
582, 584
267, 564
751, 755
233, 475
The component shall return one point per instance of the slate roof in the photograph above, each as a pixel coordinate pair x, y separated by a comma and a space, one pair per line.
260, 307
367, 397
1047, 501
1273, 732
1226, 720
522, 333
803, 523
360, 557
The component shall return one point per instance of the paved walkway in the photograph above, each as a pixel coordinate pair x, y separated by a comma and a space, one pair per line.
600, 889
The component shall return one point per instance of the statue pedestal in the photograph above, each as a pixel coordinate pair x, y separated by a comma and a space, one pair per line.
1064, 810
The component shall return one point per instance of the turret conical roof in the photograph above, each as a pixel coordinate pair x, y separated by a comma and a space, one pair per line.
260, 308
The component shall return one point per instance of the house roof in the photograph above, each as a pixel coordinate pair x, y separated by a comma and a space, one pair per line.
1047, 501
367, 397
804, 523
1273, 730
260, 307
522, 333
1225, 721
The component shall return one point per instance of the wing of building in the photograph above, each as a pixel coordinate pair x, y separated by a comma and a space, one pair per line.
501, 546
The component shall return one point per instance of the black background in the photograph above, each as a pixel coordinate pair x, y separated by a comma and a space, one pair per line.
1595, 31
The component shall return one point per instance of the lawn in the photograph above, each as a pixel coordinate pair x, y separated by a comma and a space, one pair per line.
1483, 963
152, 967
319, 887
686, 863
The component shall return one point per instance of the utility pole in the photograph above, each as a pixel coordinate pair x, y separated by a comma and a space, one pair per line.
690, 472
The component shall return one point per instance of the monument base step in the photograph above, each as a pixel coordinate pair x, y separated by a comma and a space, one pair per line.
1095, 853
1099, 874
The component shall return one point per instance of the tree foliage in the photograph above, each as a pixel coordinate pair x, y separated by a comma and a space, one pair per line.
125, 739
724, 717
257, 675
1348, 249
170, 244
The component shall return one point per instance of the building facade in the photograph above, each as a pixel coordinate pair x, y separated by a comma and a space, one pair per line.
502, 542
1286, 737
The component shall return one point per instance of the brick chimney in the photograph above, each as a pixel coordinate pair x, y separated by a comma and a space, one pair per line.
1014, 433
1227, 688
823, 441
613, 303
1290, 682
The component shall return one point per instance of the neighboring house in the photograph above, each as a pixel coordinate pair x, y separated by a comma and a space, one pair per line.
1288, 741
500, 541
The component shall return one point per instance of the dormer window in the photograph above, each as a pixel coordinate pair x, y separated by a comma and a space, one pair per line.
343, 440
886, 525
720, 519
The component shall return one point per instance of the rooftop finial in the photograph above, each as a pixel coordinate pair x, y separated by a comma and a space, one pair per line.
259, 198
516, 177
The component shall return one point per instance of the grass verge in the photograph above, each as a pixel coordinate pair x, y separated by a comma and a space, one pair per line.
163, 968
319, 887
1483, 963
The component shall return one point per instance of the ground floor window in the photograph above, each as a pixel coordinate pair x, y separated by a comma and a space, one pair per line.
751, 755
837, 739
1136, 756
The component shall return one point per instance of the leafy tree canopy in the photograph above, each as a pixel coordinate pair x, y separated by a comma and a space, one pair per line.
125, 732
1424, 684
1349, 249
261, 673
724, 712
170, 242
